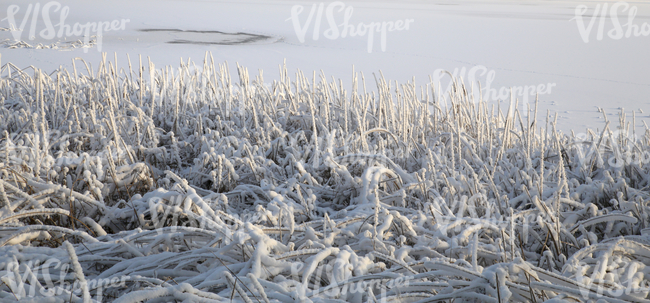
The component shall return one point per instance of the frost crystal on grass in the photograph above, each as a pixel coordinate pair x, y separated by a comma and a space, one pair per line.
188, 186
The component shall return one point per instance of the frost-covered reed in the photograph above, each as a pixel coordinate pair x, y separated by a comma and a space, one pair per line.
185, 184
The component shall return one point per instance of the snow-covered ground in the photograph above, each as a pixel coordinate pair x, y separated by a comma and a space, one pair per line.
160, 179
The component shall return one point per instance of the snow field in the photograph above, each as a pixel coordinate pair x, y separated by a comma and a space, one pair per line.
183, 184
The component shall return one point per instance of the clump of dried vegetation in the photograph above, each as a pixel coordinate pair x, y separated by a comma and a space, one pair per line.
183, 184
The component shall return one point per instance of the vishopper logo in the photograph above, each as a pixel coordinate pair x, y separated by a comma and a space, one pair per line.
168, 215
50, 31
173, 217
345, 28
614, 148
624, 280
481, 74
457, 223
53, 277
605, 14
342, 285
369, 159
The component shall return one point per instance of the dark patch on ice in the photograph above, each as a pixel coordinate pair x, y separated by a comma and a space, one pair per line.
211, 37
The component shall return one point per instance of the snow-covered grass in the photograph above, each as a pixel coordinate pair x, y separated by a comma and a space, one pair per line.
182, 184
